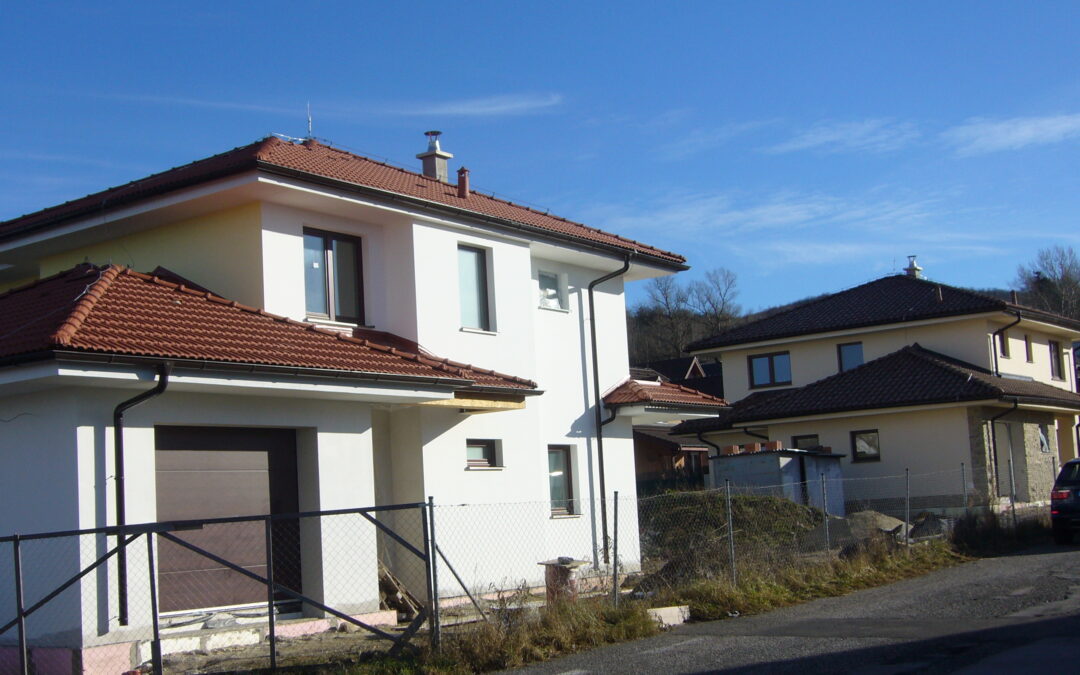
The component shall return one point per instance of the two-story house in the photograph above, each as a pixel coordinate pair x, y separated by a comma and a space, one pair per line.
905, 373
304, 319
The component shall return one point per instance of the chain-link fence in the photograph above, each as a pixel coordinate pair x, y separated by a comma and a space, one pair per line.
232, 593
266, 591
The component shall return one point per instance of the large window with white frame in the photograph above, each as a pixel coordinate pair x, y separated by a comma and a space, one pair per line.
333, 276
473, 287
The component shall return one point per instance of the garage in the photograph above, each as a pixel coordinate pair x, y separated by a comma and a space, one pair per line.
220, 472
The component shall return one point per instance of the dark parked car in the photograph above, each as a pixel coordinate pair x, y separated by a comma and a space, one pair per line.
1065, 502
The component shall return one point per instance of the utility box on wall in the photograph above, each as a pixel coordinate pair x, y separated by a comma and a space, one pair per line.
795, 474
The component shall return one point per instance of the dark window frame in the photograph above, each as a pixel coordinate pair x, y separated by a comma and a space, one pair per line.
1028, 352
491, 453
1057, 361
570, 509
1003, 345
330, 272
483, 287
855, 457
795, 441
840, 355
773, 382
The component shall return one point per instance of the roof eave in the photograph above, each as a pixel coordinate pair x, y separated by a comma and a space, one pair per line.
531, 230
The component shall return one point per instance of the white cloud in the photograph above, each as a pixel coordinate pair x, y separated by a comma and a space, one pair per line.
703, 140
872, 135
979, 135
488, 106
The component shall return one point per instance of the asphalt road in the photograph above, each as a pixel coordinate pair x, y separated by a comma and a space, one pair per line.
1013, 614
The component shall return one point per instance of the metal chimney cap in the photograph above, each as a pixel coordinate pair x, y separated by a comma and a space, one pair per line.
913, 269
433, 148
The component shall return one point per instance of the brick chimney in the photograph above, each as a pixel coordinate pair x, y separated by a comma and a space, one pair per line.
434, 158
463, 183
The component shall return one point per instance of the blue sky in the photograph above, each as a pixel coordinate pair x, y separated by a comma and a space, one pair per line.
808, 147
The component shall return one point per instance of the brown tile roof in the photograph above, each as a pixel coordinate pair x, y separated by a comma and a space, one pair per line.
667, 394
891, 299
910, 376
114, 310
312, 159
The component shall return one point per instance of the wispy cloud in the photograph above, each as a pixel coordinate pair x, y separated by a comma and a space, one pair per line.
979, 135
487, 106
692, 216
872, 135
703, 140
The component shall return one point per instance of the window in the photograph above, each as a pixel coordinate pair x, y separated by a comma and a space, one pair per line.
767, 370
1057, 366
849, 355
1027, 349
1003, 344
333, 285
865, 446
552, 292
1044, 439
560, 480
473, 287
481, 453
807, 442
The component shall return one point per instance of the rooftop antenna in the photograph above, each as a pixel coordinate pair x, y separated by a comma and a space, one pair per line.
309, 120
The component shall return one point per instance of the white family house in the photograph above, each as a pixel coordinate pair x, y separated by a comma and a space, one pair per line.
287, 326
906, 373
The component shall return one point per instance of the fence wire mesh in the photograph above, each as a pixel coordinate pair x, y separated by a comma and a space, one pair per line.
336, 567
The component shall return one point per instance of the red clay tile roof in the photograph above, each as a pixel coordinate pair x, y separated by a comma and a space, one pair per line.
891, 299
910, 376
667, 394
312, 159
114, 310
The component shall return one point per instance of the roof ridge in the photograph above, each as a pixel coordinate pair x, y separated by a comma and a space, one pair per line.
477, 193
951, 365
84, 304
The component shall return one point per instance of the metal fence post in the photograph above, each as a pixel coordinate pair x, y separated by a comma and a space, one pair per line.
1012, 487
436, 621
963, 486
731, 533
272, 628
825, 513
155, 645
615, 552
24, 654
907, 507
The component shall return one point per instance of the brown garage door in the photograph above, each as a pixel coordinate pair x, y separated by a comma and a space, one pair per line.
216, 472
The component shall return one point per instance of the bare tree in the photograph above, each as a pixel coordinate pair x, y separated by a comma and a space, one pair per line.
713, 299
676, 314
1052, 281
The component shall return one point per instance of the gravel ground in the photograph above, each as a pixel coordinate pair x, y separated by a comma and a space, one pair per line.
985, 616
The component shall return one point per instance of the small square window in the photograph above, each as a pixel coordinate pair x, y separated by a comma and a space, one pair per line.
767, 370
849, 355
481, 453
865, 446
552, 291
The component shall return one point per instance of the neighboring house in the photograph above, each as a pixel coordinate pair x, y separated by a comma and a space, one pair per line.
303, 304
907, 373
654, 405
690, 371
